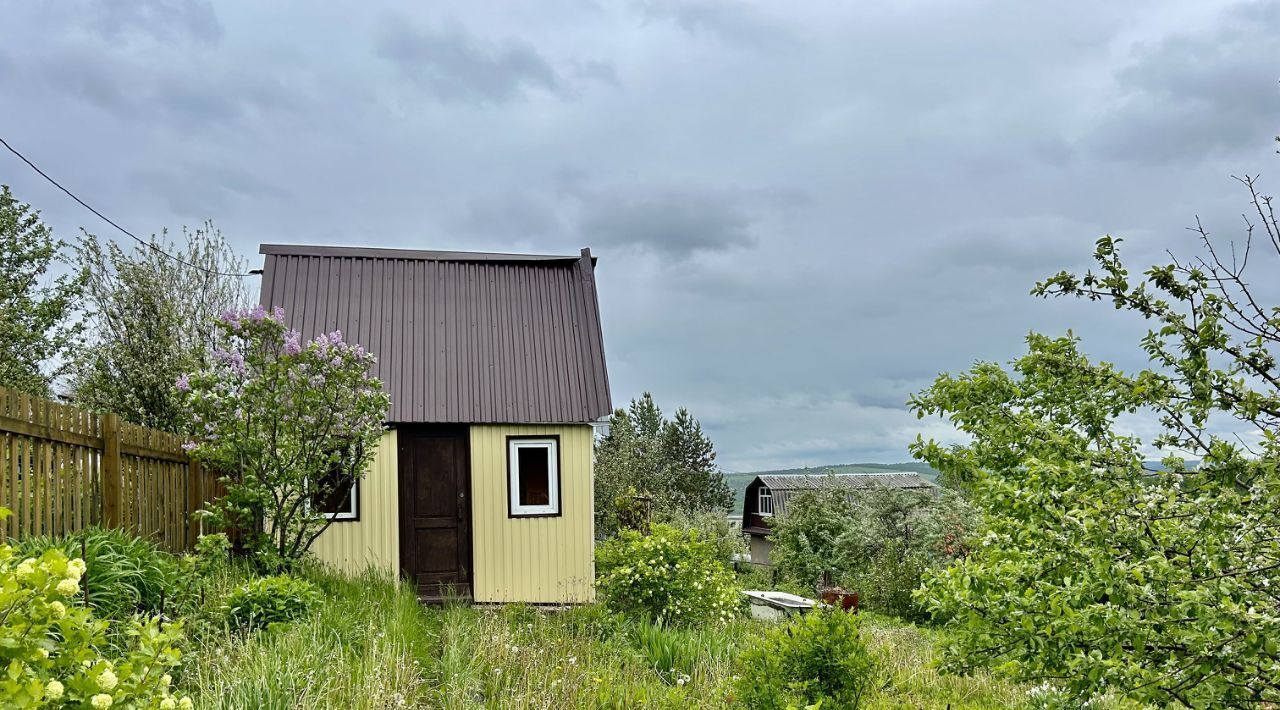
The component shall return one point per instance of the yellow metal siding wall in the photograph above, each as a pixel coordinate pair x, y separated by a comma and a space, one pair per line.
373, 541
536, 560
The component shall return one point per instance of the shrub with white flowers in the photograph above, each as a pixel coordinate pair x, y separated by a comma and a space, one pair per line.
53, 651
285, 422
670, 576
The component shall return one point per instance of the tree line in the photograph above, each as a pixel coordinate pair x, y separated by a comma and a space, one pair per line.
117, 326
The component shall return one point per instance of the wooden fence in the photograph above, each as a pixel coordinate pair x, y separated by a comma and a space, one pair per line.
63, 469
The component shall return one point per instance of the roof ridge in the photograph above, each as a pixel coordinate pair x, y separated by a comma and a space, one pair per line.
849, 473
361, 252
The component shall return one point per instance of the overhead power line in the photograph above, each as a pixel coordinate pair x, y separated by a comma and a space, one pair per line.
108, 220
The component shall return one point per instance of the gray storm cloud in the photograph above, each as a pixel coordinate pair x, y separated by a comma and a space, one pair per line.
801, 216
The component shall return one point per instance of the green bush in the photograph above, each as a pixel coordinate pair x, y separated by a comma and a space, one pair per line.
124, 574
212, 552
807, 541
713, 526
52, 648
669, 576
269, 600
817, 657
888, 582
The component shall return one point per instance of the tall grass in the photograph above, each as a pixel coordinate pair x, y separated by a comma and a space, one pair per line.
364, 647
124, 574
907, 658
370, 644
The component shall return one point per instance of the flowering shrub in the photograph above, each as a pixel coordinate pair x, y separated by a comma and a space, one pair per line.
815, 658
267, 600
671, 576
51, 646
284, 422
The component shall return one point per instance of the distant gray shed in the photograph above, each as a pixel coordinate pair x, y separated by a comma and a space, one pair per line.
767, 496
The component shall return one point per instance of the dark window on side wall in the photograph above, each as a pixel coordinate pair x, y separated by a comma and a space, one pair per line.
535, 476
337, 496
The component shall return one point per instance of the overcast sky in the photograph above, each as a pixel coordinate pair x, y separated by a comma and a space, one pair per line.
803, 211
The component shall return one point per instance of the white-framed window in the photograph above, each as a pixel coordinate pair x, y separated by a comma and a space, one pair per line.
764, 501
533, 476
338, 497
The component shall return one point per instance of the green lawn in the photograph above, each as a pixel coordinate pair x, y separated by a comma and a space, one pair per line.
371, 645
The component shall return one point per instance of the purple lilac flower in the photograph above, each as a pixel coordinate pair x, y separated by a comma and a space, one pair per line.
258, 314
183, 384
292, 343
237, 364
189, 446
232, 318
277, 314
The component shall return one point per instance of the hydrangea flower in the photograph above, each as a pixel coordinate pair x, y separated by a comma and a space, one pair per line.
68, 587
53, 690
26, 568
101, 701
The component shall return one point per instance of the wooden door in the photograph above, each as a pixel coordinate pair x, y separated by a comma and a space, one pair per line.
435, 509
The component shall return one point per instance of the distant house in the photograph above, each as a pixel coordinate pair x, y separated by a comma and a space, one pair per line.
767, 497
482, 485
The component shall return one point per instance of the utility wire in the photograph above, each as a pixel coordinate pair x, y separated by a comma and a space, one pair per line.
106, 219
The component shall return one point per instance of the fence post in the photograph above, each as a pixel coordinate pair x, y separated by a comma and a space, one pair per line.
112, 485
195, 482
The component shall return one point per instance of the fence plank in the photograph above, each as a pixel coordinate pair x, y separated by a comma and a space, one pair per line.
111, 473
63, 469
25, 471
192, 480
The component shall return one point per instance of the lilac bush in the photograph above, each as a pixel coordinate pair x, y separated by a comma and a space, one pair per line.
280, 419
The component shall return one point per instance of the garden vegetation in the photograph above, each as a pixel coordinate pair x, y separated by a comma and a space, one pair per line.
1094, 572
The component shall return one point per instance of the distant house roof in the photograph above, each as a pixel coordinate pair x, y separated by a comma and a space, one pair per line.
783, 486
464, 337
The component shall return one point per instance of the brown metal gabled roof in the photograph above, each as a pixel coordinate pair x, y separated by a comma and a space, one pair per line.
459, 336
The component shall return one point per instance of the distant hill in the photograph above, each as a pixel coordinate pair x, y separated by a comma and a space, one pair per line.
738, 481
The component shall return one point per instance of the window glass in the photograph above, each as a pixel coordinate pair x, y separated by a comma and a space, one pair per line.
335, 496
535, 475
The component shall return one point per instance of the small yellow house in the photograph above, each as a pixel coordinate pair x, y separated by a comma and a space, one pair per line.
482, 484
